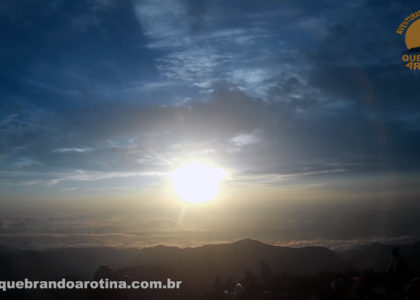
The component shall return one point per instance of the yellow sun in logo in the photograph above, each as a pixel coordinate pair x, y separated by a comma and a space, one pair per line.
412, 35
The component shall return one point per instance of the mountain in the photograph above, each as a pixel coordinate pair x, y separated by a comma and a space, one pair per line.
297, 273
230, 259
56, 263
377, 256
204, 263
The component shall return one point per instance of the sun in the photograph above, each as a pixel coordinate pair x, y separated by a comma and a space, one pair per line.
197, 181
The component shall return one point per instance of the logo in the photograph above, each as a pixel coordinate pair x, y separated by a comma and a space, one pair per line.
410, 29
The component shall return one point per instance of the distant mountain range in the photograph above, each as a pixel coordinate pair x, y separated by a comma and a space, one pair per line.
232, 260
224, 259
197, 267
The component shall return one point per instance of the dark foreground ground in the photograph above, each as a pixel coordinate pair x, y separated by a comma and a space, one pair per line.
242, 270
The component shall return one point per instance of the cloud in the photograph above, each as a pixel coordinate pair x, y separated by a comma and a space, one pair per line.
82, 175
25, 162
342, 245
73, 150
197, 51
279, 176
244, 139
272, 139
266, 88
8, 119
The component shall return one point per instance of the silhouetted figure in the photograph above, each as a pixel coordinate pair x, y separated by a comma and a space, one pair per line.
266, 274
249, 277
239, 292
337, 286
105, 272
397, 263
250, 283
365, 283
412, 291
397, 273
229, 285
218, 285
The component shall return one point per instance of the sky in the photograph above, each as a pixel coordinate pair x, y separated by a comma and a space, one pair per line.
306, 104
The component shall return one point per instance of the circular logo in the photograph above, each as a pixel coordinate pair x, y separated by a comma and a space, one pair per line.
412, 36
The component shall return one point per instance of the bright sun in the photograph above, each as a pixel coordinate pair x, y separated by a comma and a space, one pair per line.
197, 181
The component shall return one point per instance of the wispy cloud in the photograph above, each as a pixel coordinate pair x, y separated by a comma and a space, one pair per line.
73, 150
81, 175
208, 54
244, 139
340, 245
279, 178
26, 162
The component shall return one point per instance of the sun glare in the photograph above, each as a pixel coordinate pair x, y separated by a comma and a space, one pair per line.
197, 181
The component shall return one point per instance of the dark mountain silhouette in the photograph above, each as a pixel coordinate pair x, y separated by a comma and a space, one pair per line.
55, 263
377, 256
231, 260
296, 273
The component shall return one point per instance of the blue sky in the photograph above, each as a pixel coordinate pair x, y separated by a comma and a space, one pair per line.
109, 95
